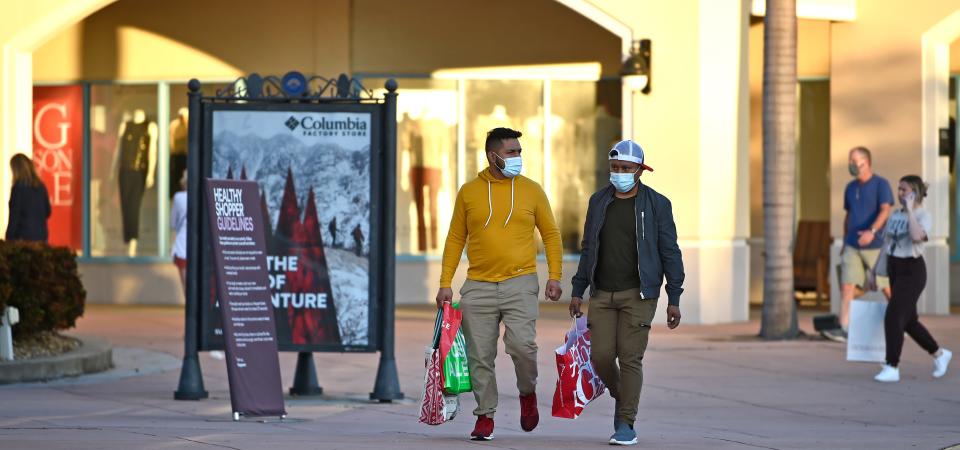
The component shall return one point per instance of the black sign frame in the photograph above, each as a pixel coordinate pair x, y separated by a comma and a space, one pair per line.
208, 340
295, 92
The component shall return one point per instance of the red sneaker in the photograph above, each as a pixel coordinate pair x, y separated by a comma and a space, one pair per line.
483, 431
529, 415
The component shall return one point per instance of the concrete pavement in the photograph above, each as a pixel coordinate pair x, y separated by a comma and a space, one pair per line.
705, 387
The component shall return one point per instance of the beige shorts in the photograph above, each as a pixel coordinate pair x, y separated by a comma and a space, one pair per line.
854, 264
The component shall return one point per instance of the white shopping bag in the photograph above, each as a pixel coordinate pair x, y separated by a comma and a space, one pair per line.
865, 338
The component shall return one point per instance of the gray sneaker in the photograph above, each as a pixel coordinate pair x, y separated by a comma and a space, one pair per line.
838, 335
623, 434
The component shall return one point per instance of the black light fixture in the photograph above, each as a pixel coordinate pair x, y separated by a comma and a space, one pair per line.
636, 68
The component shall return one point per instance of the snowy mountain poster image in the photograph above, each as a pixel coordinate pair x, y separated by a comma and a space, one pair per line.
314, 174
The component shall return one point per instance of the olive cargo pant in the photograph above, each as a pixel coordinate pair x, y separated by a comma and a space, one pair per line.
619, 324
485, 305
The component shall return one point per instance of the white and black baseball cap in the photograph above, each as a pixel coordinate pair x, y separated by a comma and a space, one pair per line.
629, 151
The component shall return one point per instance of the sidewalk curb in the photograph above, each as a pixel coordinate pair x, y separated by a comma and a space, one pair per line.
93, 355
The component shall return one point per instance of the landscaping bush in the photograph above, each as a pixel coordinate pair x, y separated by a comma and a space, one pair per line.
43, 283
5, 285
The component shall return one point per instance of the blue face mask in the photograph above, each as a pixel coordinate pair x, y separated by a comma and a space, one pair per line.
511, 166
623, 182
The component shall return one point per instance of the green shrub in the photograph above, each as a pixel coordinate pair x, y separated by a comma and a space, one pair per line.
6, 287
43, 283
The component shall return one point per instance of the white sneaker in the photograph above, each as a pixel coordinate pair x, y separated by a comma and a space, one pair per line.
941, 362
888, 375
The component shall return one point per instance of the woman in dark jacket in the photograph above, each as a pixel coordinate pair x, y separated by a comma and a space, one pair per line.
29, 203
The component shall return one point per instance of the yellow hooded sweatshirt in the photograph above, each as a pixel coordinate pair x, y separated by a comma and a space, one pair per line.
495, 219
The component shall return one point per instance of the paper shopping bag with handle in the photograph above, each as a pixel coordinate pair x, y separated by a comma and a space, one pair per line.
577, 383
865, 339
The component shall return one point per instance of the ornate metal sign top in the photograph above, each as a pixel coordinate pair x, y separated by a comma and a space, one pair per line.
295, 86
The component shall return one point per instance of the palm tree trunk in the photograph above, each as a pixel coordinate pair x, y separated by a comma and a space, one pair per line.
779, 171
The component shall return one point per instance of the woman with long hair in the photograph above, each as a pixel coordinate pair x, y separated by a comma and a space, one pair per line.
902, 260
29, 202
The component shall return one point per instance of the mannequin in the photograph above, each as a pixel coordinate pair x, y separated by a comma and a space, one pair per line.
425, 183
534, 138
134, 165
178, 146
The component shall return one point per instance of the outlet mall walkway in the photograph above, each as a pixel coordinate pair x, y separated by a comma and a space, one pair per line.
706, 387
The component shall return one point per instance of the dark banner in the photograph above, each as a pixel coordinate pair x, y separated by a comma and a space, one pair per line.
314, 171
243, 287
58, 156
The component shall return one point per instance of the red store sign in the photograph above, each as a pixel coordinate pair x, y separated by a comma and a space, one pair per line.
58, 156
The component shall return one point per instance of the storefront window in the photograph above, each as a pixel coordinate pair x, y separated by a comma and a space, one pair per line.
123, 171
504, 103
426, 163
441, 129
571, 127
179, 115
560, 137
177, 140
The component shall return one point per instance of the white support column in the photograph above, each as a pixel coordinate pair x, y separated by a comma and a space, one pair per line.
935, 169
722, 260
16, 114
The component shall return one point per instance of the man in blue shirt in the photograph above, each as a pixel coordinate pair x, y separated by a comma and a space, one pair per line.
867, 201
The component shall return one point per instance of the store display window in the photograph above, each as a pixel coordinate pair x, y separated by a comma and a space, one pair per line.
178, 117
441, 130
117, 179
577, 157
112, 155
426, 163
123, 186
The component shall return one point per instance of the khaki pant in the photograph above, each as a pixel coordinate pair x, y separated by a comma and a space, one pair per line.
484, 306
619, 325
854, 264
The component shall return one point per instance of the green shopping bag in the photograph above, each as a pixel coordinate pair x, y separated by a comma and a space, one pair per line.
456, 373
453, 350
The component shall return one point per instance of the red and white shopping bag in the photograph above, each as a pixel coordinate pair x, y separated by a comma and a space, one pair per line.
436, 407
577, 383
431, 407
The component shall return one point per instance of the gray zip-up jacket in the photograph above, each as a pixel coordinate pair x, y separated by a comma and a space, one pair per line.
657, 250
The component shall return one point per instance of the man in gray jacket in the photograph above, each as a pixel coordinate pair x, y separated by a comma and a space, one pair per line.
629, 245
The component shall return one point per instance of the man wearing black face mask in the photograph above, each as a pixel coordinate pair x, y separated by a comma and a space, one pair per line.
867, 201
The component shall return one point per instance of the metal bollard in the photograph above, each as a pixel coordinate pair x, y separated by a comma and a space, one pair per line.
11, 316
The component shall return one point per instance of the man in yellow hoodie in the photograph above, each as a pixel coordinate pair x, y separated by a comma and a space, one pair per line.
494, 217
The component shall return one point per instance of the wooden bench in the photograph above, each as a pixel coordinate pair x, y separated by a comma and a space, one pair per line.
811, 261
